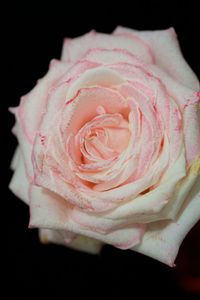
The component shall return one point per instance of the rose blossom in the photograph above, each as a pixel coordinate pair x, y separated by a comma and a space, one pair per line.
109, 145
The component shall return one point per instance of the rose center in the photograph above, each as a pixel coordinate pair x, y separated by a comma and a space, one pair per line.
104, 137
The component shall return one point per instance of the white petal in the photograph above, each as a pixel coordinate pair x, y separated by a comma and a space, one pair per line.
19, 183
168, 56
15, 159
149, 207
76, 48
33, 105
182, 191
26, 150
163, 239
50, 211
99, 76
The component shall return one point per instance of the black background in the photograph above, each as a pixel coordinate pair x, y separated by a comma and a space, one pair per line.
33, 36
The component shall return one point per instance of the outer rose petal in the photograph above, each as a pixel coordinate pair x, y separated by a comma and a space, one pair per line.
188, 101
75, 49
192, 131
33, 105
19, 184
169, 56
26, 149
79, 242
15, 159
163, 239
50, 211
114, 56
183, 189
31, 109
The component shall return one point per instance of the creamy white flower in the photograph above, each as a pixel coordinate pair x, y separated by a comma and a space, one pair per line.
109, 145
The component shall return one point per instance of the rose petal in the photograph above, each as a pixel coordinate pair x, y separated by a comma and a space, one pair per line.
126, 171
65, 52
96, 76
192, 131
91, 98
50, 211
178, 92
98, 223
19, 183
78, 47
188, 102
33, 105
163, 239
26, 150
183, 189
148, 206
168, 57
130, 190
15, 159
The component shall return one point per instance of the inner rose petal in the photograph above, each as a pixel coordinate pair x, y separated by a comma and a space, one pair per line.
105, 137
85, 103
107, 141
100, 147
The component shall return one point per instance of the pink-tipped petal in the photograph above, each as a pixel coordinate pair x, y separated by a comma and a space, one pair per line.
94, 76
78, 47
168, 57
33, 105
50, 211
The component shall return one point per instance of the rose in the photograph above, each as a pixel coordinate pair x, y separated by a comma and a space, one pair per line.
109, 145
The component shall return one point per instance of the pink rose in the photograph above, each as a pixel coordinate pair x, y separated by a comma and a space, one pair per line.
109, 145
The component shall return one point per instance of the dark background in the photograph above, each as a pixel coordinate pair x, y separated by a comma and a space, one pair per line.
33, 36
